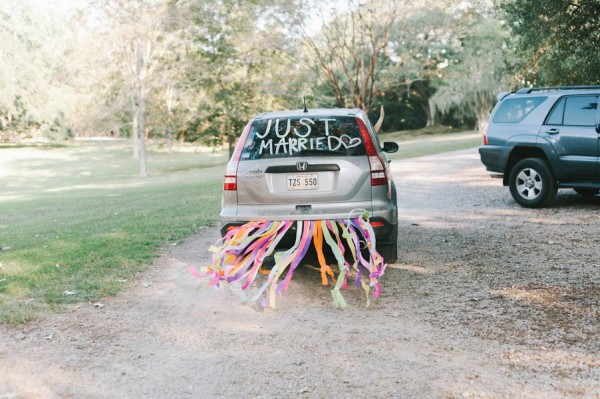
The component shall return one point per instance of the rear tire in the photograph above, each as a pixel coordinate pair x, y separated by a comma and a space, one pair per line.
532, 183
389, 250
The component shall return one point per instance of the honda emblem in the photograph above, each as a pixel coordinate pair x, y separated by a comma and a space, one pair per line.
301, 166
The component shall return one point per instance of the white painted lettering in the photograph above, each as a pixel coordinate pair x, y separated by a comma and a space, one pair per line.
282, 143
262, 136
266, 145
327, 125
287, 130
320, 143
305, 122
302, 144
299, 140
293, 145
334, 143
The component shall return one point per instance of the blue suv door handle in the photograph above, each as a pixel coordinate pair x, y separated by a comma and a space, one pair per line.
553, 131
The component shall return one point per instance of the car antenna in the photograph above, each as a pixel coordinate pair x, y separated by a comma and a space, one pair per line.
305, 109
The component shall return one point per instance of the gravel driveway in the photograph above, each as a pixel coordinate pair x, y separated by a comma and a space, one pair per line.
488, 300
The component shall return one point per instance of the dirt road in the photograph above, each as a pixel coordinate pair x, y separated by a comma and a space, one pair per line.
488, 300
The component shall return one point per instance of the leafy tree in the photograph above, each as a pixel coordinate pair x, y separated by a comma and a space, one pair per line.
479, 71
557, 40
234, 64
34, 92
199, 69
350, 50
424, 41
136, 38
373, 52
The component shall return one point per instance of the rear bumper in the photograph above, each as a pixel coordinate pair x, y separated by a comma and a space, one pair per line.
383, 213
493, 158
383, 229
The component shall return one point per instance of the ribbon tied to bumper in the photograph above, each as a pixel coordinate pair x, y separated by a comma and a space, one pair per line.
239, 257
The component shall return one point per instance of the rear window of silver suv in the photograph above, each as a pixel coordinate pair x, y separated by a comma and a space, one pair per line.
514, 110
303, 136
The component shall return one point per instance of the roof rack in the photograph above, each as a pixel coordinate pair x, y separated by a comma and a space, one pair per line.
526, 90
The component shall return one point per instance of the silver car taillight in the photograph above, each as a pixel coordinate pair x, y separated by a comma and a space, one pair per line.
377, 165
230, 181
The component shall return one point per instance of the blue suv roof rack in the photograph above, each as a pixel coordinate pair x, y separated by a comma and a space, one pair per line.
526, 90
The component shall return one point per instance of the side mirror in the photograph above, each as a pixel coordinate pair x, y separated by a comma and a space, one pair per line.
598, 128
390, 147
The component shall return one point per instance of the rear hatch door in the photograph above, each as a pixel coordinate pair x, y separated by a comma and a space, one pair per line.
304, 160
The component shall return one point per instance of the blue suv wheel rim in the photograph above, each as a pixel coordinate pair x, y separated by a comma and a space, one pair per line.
529, 183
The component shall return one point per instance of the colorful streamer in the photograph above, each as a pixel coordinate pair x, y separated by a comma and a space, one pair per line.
238, 258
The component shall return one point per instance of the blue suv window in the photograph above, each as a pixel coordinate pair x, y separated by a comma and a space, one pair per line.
513, 110
574, 111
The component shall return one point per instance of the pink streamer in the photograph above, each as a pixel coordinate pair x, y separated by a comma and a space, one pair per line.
240, 254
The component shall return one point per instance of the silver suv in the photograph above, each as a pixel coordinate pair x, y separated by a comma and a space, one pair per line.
542, 139
311, 165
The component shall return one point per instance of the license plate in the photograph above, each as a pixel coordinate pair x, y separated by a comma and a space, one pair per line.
303, 182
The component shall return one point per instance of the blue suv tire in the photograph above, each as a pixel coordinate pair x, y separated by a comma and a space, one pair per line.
532, 183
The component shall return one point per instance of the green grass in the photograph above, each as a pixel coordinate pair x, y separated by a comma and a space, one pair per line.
428, 143
80, 224
78, 220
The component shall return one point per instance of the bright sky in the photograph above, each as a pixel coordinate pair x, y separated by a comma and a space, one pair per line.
56, 6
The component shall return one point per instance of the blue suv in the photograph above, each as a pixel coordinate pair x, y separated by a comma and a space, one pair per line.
541, 139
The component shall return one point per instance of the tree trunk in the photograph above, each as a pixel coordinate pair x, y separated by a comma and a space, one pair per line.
169, 102
482, 119
142, 122
141, 93
430, 114
231, 142
170, 140
135, 130
423, 91
427, 109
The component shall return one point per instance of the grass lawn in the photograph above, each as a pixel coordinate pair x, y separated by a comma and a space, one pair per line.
77, 224
418, 145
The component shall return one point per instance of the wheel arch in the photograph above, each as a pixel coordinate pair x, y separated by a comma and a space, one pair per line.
519, 153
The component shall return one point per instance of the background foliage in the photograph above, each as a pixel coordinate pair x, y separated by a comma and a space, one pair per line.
557, 41
197, 70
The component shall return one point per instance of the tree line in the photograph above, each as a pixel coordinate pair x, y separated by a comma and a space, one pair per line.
196, 70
